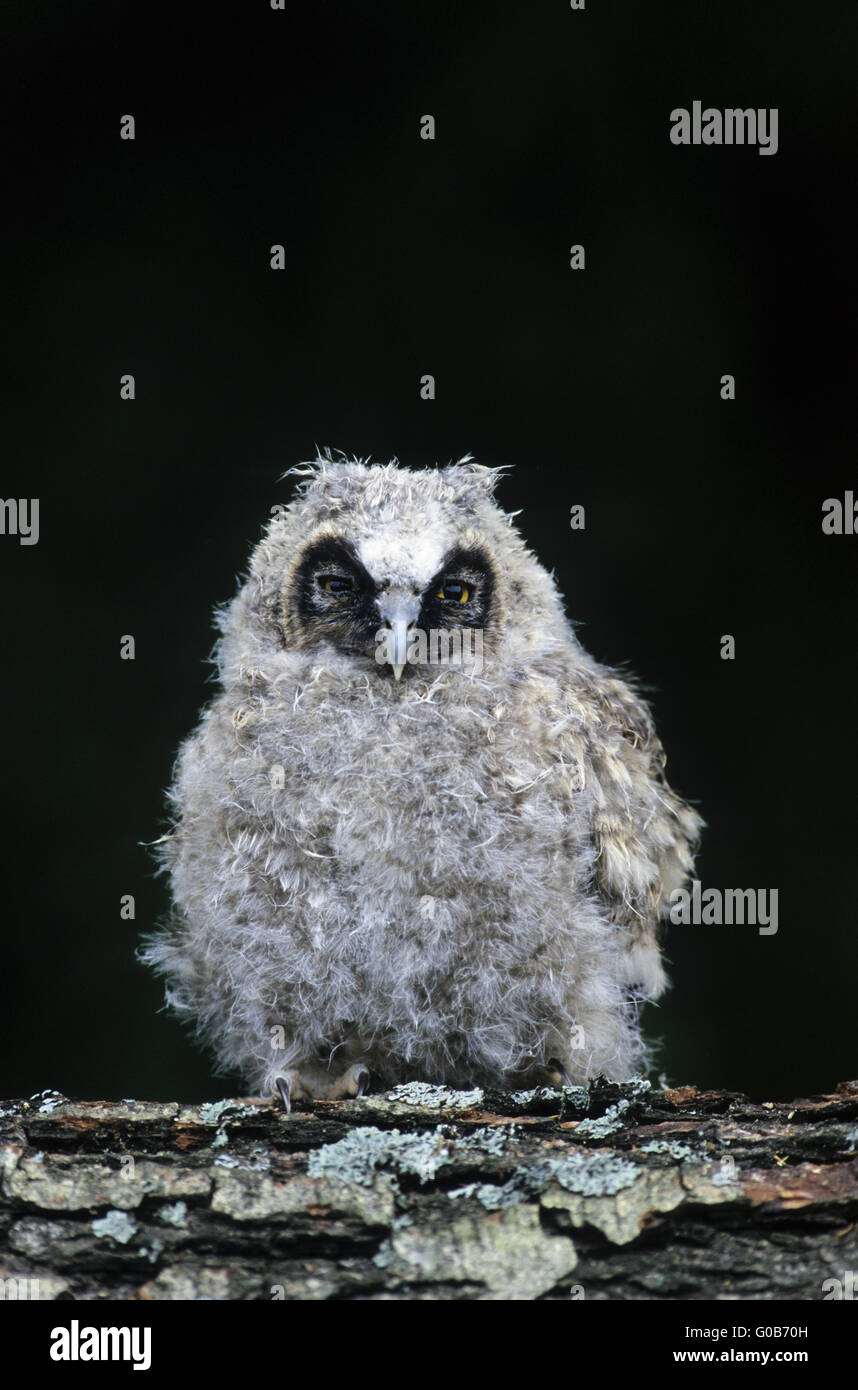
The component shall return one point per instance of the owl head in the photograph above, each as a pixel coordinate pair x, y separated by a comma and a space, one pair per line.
390, 567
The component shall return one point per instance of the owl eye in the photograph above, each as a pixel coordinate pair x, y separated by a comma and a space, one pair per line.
454, 592
335, 584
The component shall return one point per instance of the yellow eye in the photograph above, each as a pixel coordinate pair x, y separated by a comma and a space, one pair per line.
335, 584
454, 592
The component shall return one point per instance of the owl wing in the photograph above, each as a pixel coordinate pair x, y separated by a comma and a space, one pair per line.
644, 833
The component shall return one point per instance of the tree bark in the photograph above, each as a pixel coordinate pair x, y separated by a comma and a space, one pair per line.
613, 1192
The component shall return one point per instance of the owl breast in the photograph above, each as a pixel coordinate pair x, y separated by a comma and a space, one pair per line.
420, 854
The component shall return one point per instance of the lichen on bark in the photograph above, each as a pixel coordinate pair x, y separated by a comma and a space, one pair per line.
613, 1192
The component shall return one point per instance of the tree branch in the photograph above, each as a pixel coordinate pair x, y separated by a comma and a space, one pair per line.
615, 1192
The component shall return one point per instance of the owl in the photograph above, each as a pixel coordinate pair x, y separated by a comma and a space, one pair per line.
419, 834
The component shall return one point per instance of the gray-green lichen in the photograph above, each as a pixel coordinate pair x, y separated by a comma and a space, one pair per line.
487, 1140
357, 1157
587, 1174
616, 1116
116, 1224
214, 1112
492, 1196
153, 1251
667, 1146
593, 1174
435, 1097
578, 1097
174, 1214
608, 1124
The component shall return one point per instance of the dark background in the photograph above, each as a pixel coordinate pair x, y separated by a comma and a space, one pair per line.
406, 257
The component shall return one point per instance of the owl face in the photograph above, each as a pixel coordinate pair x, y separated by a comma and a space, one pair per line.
363, 600
365, 550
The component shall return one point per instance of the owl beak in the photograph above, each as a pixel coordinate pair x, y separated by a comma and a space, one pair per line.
400, 646
399, 610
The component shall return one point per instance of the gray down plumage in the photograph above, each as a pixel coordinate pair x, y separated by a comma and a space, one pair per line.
456, 877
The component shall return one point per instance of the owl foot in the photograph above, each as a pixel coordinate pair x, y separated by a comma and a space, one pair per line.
558, 1070
293, 1086
353, 1082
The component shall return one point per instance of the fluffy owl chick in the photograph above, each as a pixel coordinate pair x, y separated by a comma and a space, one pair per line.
387, 864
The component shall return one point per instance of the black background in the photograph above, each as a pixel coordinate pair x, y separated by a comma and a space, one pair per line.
601, 387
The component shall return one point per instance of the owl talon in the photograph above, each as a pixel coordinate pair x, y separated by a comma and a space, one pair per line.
283, 1088
292, 1086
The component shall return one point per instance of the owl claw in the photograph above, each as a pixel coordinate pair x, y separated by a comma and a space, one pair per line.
292, 1086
